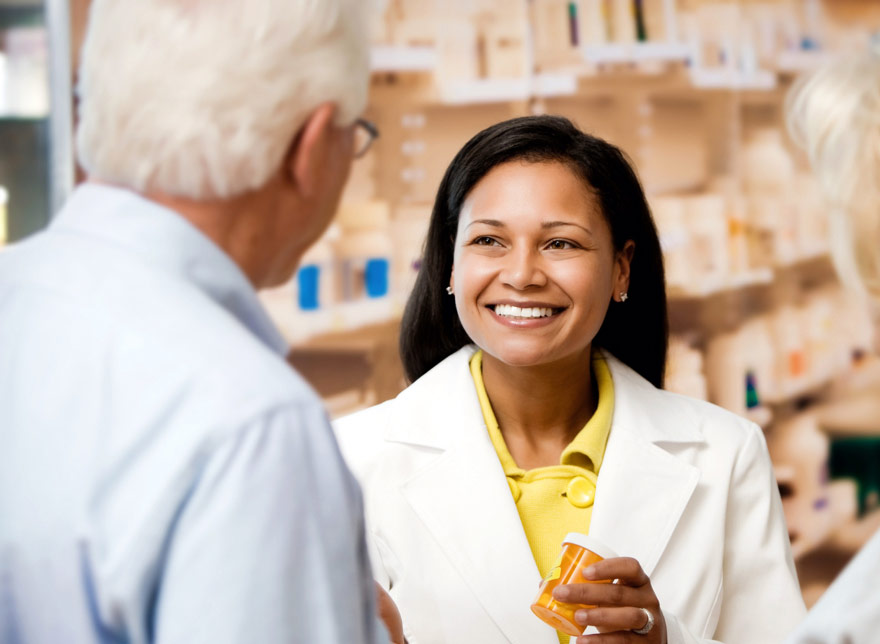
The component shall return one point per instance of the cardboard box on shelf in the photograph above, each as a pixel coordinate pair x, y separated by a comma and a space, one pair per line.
410, 22
504, 50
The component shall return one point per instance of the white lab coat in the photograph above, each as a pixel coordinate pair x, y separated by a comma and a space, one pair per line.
685, 487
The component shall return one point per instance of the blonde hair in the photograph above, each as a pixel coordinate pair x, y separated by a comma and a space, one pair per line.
834, 114
202, 98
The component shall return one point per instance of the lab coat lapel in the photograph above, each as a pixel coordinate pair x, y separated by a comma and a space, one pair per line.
642, 489
463, 499
640, 496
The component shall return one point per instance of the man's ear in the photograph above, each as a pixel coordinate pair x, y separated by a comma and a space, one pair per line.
310, 151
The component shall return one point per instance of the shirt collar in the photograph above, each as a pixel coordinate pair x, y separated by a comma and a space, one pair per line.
166, 240
590, 441
507, 463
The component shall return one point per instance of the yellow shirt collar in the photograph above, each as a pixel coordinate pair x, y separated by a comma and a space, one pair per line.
586, 450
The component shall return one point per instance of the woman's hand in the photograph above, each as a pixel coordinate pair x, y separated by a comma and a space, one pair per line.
620, 607
390, 616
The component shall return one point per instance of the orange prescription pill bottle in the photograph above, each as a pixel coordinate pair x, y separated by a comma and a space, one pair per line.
578, 552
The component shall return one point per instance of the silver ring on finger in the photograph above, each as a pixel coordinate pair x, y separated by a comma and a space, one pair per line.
649, 623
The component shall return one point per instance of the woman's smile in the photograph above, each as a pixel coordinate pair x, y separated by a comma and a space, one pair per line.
525, 315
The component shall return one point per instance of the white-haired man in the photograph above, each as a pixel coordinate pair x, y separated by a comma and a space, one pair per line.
164, 476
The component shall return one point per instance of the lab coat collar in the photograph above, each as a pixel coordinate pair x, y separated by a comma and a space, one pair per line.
446, 402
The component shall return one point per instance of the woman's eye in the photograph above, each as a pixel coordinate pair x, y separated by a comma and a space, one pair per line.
485, 241
560, 244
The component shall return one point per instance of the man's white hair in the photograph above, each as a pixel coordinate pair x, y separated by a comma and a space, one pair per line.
201, 98
834, 114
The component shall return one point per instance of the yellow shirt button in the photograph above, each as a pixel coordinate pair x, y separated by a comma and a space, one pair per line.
514, 489
580, 492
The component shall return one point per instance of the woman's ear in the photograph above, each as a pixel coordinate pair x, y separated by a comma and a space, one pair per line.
622, 264
311, 150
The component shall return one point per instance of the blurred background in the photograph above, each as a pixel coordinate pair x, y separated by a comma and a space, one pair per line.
692, 90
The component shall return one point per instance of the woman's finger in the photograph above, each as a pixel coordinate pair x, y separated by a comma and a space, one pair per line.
626, 618
626, 570
603, 594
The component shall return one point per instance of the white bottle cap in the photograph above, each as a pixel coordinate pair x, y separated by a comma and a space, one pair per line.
590, 543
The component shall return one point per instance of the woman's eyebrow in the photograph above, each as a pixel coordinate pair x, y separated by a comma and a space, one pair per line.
489, 222
557, 224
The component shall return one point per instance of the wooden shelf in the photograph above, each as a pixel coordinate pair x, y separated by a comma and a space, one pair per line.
759, 277
797, 61
733, 79
503, 90
634, 53
391, 58
760, 415
854, 534
802, 389
361, 361
856, 414
814, 255
756, 277
424, 59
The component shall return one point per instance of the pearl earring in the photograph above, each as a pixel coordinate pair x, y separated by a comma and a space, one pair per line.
623, 296
449, 290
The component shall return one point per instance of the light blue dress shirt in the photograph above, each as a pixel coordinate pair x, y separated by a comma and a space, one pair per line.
164, 475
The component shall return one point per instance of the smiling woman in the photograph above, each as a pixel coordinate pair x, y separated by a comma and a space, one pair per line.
500, 171
536, 342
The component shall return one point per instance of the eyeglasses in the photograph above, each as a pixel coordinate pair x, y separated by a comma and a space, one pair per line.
364, 134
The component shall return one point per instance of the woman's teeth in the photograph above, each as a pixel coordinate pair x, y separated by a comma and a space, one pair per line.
510, 311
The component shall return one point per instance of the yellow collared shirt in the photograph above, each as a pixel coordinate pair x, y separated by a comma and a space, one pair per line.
553, 501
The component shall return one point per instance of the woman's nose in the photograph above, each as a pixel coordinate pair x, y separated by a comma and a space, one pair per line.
523, 268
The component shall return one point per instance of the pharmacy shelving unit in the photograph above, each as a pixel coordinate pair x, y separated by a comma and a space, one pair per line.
627, 92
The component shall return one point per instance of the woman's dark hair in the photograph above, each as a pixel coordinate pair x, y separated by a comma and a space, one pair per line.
636, 332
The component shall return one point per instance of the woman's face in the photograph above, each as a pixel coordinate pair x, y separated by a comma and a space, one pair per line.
534, 266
